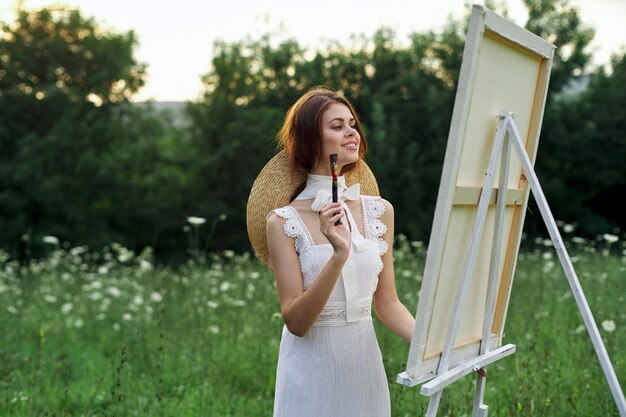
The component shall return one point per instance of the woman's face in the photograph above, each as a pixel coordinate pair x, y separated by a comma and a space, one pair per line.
339, 135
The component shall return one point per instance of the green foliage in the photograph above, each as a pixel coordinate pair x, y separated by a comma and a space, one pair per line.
58, 51
114, 334
78, 162
583, 149
404, 94
559, 23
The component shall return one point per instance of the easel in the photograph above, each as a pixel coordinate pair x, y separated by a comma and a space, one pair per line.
444, 375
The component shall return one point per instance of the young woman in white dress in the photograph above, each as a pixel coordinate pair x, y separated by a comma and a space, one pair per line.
327, 275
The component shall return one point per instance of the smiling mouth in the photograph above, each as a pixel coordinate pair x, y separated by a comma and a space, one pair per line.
351, 146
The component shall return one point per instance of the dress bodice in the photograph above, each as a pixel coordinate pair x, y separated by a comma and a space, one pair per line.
314, 256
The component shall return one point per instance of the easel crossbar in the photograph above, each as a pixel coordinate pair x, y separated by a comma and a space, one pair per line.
464, 368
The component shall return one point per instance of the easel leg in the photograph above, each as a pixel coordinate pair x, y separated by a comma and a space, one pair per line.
470, 260
433, 404
494, 270
572, 278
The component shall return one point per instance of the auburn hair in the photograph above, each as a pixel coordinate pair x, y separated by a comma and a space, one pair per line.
301, 132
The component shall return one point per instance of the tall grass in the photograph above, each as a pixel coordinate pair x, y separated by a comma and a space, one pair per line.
111, 334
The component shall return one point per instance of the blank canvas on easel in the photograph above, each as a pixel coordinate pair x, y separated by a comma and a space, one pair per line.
504, 67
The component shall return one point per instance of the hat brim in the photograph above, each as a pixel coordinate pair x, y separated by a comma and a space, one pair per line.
273, 188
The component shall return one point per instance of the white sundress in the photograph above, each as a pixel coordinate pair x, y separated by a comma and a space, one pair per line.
336, 369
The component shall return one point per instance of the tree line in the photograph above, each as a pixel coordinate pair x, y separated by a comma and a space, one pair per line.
79, 162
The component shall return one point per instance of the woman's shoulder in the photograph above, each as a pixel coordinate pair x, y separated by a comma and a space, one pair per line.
287, 217
287, 212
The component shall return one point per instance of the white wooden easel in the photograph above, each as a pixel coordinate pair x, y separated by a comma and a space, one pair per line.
446, 376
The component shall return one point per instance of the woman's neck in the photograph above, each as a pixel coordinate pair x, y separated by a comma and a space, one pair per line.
324, 169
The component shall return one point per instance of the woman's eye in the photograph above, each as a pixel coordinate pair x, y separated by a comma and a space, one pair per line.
336, 127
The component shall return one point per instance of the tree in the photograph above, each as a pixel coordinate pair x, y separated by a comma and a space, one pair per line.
559, 23
57, 51
77, 161
586, 172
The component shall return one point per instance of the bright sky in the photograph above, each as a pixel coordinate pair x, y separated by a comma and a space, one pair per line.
176, 38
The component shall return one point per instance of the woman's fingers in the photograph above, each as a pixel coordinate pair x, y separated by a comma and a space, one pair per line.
337, 217
330, 210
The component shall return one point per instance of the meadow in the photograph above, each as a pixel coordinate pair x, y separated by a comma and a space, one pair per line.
115, 334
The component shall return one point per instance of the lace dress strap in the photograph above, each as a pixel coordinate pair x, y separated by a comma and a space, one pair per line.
373, 208
305, 246
294, 227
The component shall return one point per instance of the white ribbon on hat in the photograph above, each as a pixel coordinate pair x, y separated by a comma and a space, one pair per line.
319, 187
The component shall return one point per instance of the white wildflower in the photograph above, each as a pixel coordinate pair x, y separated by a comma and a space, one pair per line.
228, 253
116, 326
124, 255
156, 297
580, 329
144, 265
547, 242
78, 250
224, 286
214, 329
67, 307
239, 303
547, 255
50, 298
12, 310
222, 217
95, 296
212, 304
127, 317
406, 273
103, 270
101, 316
608, 325
78, 322
610, 238
568, 228
196, 221
114, 291
254, 275
53, 240
548, 266
137, 300
579, 240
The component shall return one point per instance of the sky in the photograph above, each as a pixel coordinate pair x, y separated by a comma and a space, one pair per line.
176, 38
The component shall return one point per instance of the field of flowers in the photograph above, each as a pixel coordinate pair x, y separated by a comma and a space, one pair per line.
113, 334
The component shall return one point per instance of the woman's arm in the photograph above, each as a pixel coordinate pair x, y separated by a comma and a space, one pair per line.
391, 312
300, 308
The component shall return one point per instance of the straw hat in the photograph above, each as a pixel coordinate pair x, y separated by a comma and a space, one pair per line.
273, 188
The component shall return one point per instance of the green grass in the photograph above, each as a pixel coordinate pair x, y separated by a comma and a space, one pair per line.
112, 335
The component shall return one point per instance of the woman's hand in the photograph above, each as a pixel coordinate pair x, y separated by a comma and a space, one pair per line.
338, 236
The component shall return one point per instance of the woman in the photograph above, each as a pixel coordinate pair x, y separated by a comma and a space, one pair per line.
328, 274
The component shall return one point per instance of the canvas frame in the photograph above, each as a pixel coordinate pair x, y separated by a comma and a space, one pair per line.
505, 68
